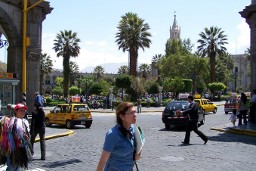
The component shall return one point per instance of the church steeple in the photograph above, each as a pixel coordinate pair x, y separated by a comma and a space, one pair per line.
175, 29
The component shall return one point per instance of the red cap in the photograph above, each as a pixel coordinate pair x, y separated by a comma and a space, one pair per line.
20, 105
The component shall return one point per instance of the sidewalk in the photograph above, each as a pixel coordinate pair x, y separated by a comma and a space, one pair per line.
249, 129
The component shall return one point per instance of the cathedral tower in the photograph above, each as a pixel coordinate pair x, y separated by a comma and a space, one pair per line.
175, 29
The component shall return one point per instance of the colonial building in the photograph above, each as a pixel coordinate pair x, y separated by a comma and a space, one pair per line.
241, 74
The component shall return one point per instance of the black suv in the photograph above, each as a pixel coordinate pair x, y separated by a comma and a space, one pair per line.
169, 116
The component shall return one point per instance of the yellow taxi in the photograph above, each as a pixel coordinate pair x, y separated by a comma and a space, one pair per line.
69, 115
205, 104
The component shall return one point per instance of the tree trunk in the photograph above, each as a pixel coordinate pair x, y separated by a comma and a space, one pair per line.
66, 75
212, 67
133, 61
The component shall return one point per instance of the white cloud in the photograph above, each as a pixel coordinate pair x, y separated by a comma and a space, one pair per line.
92, 53
242, 41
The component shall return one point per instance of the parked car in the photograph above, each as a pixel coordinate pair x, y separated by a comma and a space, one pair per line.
206, 105
70, 115
169, 116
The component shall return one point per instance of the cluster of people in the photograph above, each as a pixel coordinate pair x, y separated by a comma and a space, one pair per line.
245, 107
17, 137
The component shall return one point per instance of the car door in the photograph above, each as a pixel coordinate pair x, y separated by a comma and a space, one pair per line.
206, 105
62, 114
54, 115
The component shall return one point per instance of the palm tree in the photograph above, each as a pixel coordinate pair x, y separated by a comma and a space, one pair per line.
123, 70
132, 34
98, 72
45, 68
66, 45
212, 44
144, 70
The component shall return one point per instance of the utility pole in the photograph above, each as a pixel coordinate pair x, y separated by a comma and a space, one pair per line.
25, 43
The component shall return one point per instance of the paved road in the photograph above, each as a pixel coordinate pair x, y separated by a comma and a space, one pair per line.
162, 151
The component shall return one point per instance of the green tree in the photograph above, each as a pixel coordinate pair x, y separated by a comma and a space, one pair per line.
212, 43
45, 68
123, 70
66, 45
144, 70
214, 87
98, 72
74, 72
132, 34
74, 90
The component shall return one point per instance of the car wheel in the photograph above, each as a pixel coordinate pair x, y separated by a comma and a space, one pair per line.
69, 124
167, 126
88, 125
215, 110
226, 112
47, 122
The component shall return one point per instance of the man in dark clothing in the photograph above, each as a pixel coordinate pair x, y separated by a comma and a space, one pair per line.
38, 127
192, 113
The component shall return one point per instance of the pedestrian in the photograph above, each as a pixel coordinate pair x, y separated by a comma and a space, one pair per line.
39, 99
192, 114
252, 114
15, 147
38, 127
139, 105
148, 102
242, 108
119, 146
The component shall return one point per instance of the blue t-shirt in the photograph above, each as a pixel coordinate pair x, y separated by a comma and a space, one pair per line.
121, 149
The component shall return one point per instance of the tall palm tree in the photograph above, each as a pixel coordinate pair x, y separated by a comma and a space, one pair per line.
212, 43
132, 34
66, 45
45, 68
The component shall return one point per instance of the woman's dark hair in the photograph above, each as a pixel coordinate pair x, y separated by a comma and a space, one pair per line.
243, 98
37, 105
121, 109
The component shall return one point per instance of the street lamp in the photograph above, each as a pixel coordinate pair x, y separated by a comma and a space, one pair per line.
236, 70
25, 43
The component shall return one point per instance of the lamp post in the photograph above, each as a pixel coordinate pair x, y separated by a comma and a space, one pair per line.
160, 88
236, 70
25, 43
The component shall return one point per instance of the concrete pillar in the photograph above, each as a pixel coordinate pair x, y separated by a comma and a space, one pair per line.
249, 13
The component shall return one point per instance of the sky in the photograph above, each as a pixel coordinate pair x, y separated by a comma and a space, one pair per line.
95, 23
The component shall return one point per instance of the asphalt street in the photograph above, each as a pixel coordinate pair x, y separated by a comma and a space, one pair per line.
162, 151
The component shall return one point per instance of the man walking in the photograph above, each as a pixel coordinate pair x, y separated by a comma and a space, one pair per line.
192, 114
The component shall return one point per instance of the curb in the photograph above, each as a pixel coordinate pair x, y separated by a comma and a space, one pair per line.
56, 136
235, 131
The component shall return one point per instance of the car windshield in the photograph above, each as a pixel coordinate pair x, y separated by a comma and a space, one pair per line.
177, 106
81, 108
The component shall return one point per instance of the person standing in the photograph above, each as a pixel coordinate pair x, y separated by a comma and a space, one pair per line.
139, 105
119, 146
192, 114
242, 108
38, 127
39, 99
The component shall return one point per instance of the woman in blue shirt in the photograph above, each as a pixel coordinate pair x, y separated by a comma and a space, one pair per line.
118, 148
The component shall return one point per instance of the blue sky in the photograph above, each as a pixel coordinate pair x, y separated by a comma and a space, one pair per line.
95, 22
